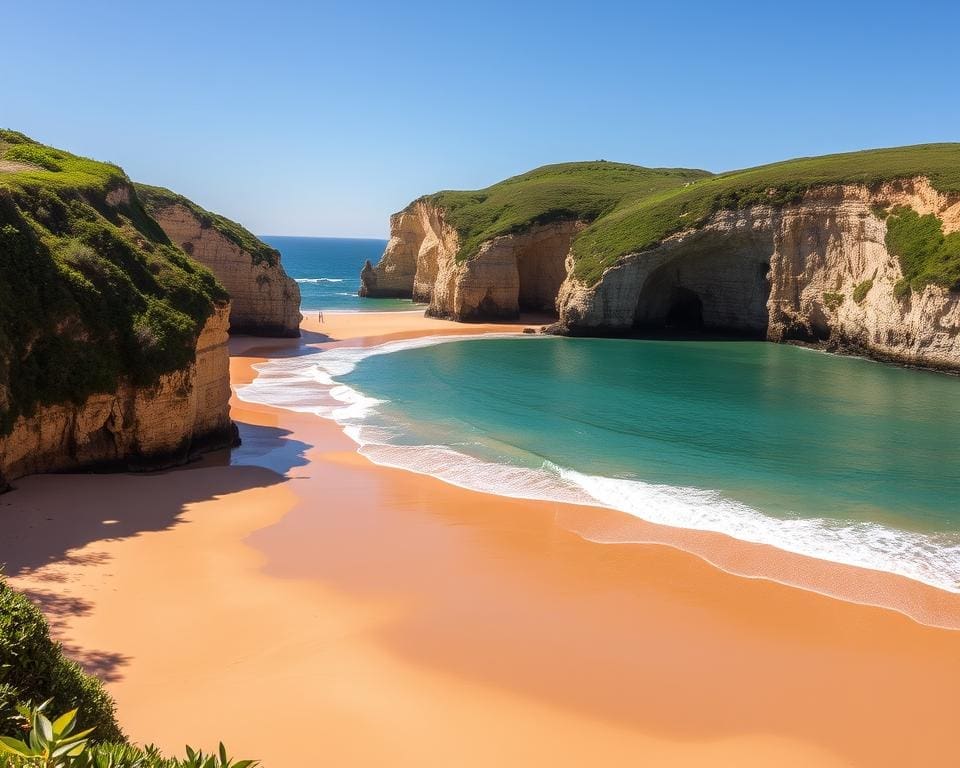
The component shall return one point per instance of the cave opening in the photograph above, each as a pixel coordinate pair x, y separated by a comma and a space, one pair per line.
685, 311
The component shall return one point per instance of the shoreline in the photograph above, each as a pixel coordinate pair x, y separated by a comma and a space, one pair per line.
923, 601
456, 625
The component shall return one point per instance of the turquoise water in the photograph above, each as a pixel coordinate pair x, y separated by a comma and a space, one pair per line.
838, 458
328, 271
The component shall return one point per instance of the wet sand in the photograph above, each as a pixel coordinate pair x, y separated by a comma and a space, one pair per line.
387, 618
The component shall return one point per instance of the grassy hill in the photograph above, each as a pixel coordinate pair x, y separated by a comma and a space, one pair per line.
91, 289
156, 199
642, 225
585, 191
631, 209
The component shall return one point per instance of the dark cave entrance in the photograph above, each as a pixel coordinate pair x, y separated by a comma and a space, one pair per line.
685, 311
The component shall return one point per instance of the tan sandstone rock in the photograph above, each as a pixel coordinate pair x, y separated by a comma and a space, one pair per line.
509, 273
265, 301
781, 274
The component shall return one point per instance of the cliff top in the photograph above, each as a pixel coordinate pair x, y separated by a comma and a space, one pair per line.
585, 191
630, 208
156, 199
91, 289
647, 222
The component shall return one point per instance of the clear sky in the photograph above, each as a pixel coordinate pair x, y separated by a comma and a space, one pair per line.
317, 118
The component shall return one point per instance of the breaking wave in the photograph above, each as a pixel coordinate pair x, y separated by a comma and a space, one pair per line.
309, 384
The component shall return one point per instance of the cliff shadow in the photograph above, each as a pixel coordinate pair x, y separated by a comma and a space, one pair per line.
47, 519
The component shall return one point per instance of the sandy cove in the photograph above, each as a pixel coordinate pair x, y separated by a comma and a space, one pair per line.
304, 595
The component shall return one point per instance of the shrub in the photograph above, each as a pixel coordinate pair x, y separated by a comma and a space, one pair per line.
861, 290
925, 254
901, 289
832, 301
33, 668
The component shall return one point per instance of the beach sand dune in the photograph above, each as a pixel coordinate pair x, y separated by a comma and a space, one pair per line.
307, 607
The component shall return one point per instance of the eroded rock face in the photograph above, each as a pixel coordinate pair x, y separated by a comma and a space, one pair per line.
771, 273
186, 412
265, 301
785, 274
509, 274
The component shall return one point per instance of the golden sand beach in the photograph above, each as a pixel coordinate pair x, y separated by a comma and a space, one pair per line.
302, 594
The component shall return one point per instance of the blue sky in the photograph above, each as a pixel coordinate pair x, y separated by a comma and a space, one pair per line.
323, 118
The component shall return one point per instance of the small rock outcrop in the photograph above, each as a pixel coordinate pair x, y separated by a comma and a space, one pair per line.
265, 301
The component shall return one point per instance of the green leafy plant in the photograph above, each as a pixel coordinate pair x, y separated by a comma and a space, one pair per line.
55, 743
50, 743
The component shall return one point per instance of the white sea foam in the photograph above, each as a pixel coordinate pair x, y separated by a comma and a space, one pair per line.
319, 279
309, 384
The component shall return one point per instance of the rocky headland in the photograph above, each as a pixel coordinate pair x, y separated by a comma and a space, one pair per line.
113, 341
857, 253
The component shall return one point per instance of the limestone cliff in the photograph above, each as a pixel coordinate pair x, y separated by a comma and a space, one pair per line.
112, 340
509, 273
813, 267
134, 427
816, 271
265, 301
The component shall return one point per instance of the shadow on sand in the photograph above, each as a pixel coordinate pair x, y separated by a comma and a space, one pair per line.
48, 520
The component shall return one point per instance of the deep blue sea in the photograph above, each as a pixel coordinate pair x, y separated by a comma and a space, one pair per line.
328, 271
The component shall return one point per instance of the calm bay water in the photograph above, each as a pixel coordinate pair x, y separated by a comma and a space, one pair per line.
832, 457
328, 271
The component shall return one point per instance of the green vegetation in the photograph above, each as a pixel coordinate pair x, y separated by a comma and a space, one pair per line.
55, 742
584, 191
33, 668
157, 198
631, 209
926, 255
645, 224
832, 301
91, 289
861, 290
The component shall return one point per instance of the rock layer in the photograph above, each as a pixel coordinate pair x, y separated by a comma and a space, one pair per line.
815, 271
185, 412
265, 301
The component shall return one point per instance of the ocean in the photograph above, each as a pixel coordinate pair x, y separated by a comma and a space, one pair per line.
328, 271
832, 457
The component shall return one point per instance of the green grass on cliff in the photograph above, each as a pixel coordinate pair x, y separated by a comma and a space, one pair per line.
926, 255
91, 290
156, 199
631, 209
643, 225
584, 191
